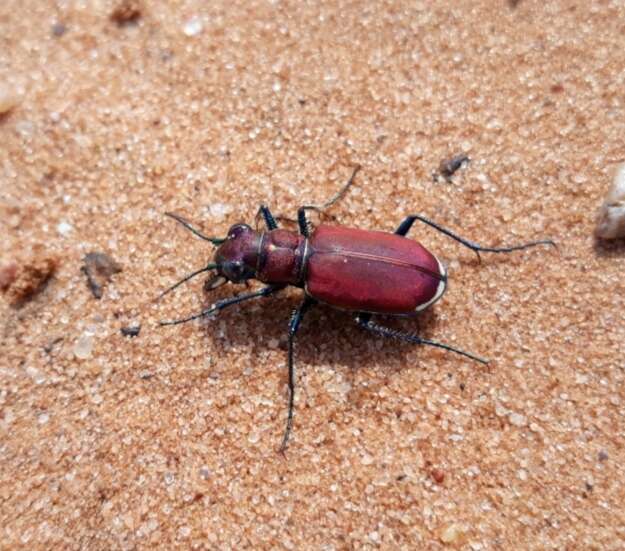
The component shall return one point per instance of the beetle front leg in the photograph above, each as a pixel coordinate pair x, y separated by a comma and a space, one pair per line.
221, 304
364, 320
294, 323
405, 226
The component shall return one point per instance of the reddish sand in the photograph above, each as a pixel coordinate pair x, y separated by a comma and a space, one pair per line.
169, 439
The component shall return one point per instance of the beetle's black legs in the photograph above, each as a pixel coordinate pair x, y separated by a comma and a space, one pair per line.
269, 219
405, 226
364, 320
304, 225
294, 324
221, 304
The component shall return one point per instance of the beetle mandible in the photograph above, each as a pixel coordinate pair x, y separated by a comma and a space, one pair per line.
362, 271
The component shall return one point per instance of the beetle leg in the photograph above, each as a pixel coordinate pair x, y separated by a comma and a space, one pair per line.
302, 222
221, 304
294, 324
364, 320
269, 219
405, 226
304, 225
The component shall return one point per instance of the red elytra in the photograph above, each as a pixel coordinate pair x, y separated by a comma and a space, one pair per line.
372, 271
366, 272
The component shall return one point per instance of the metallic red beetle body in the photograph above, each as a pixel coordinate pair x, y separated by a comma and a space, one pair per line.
367, 272
371, 271
341, 267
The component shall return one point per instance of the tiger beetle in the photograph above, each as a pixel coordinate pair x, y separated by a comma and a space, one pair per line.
362, 271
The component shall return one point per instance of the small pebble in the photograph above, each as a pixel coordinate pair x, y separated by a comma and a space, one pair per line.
126, 12
517, 419
438, 475
131, 330
64, 228
99, 268
83, 346
9, 98
193, 26
452, 533
58, 29
611, 220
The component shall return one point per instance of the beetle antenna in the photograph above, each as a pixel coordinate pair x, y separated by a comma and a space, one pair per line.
185, 279
339, 194
180, 220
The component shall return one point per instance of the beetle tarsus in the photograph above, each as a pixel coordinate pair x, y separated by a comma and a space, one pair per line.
221, 304
407, 223
364, 320
294, 323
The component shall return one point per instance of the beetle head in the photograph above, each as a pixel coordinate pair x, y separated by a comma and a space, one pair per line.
236, 257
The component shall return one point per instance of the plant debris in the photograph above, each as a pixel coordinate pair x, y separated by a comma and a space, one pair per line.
449, 167
99, 268
8, 274
29, 279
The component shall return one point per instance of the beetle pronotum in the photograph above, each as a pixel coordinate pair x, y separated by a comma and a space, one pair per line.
338, 266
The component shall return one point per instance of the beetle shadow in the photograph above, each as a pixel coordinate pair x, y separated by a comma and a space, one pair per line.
326, 335
609, 248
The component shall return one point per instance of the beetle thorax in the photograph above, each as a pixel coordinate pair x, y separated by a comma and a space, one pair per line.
281, 258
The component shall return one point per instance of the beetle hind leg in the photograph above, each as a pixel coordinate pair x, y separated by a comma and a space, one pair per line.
407, 223
364, 320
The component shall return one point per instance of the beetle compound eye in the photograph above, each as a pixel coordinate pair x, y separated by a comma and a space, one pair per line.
234, 271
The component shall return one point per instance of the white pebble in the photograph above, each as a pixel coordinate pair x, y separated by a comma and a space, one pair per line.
219, 210
193, 26
83, 347
64, 228
366, 459
611, 220
517, 419
9, 98
452, 533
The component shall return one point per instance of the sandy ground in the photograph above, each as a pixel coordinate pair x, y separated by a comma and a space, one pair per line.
169, 439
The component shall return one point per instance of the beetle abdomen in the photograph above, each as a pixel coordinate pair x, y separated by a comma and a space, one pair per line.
372, 271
